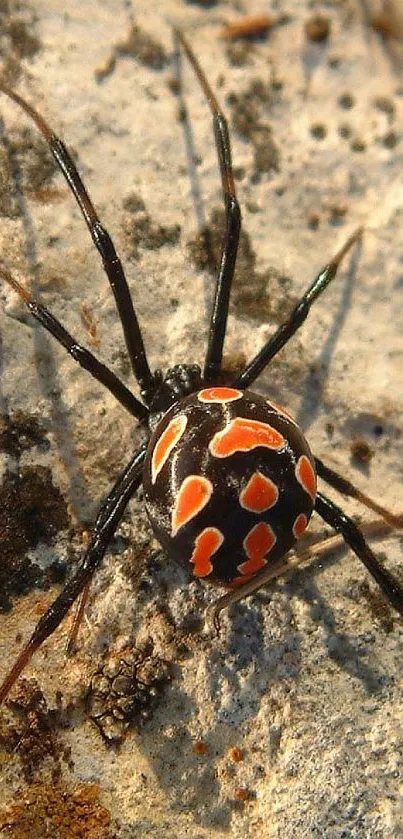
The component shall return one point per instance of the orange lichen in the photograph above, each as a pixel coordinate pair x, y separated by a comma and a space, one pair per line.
57, 812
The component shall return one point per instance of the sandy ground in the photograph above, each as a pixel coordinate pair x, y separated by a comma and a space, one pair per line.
290, 723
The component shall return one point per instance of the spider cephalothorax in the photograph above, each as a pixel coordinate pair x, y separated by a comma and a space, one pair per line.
230, 482
178, 382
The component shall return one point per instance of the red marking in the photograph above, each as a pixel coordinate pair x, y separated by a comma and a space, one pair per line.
259, 541
300, 525
207, 543
165, 444
305, 475
219, 394
242, 435
281, 410
259, 494
194, 493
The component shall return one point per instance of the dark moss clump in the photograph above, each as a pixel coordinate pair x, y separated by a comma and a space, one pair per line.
248, 121
20, 432
32, 735
32, 510
144, 48
142, 231
255, 294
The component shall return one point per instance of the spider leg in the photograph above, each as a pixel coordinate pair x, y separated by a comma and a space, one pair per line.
103, 514
333, 515
219, 315
297, 316
346, 488
106, 523
80, 354
102, 241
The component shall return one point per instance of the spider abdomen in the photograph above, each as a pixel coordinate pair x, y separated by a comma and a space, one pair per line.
229, 483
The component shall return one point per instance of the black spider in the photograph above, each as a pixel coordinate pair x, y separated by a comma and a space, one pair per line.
229, 479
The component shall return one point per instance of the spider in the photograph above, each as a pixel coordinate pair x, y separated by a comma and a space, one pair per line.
229, 479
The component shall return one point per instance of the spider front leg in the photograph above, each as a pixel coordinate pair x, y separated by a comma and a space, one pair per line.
106, 523
104, 245
219, 315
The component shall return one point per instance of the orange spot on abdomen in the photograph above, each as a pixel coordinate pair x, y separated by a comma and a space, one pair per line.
259, 494
166, 443
305, 475
242, 435
259, 541
219, 394
300, 525
206, 544
194, 493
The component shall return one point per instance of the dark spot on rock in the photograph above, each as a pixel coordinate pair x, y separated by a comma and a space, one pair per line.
20, 432
317, 28
390, 140
239, 52
142, 232
358, 145
361, 451
313, 219
346, 101
143, 47
386, 106
255, 294
379, 607
26, 165
24, 42
18, 37
345, 131
318, 131
32, 510
248, 122
205, 4
32, 735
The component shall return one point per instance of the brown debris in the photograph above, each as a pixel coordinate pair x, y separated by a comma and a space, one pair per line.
31, 736
125, 691
254, 26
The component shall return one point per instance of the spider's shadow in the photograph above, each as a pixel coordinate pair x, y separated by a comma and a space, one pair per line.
194, 180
